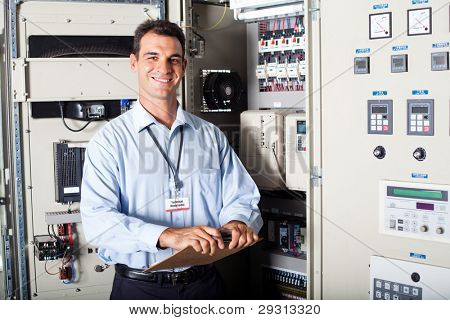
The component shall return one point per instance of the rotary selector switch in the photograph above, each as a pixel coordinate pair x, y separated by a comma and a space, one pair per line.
440, 230
420, 154
379, 152
424, 228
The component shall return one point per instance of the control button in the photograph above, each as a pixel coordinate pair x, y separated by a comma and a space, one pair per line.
426, 129
413, 123
373, 122
419, 116
413, 117
419, 129
378, 284
387, 296
406, 222
379, 128
406, 290
392, 224
395, 297
387, 286
400, 221
373, 128
385, 116
378, 294
414, 215
373, 116
385, 128
379, 116
420, 123
379, 152
400, 228
406, 214
426, 123
385, 122
396, 287
424, 228
415, 292
379, 122
413, 129
414, 229
440, 230
419, 154
406, 228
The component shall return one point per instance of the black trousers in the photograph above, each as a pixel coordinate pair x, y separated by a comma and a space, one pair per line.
208, 287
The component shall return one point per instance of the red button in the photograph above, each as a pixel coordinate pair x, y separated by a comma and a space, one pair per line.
426, 129
385, 128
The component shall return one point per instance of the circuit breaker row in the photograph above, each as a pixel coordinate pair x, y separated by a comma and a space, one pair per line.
281, 48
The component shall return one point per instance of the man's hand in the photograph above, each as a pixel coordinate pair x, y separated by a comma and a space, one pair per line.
203, 239
242, 236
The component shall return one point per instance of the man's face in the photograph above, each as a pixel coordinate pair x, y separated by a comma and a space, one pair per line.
160, 66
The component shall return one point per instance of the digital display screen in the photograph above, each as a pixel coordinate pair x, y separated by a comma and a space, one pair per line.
398, 62
440, 60
301, 127
379, 109
419, 110
416, 193
425, 206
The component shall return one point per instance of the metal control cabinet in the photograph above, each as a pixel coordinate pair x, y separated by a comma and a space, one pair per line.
357, 177
46, 80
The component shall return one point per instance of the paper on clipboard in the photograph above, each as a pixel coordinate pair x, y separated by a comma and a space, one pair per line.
189, 257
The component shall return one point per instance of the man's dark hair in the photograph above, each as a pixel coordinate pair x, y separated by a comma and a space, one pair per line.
160, 27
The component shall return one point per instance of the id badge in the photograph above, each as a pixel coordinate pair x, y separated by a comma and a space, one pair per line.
177, 204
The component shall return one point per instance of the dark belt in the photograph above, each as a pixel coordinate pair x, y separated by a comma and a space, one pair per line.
185, 277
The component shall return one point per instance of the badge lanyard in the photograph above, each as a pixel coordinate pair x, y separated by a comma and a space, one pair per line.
178, 183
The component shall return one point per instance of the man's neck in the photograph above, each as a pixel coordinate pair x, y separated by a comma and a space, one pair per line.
164, 111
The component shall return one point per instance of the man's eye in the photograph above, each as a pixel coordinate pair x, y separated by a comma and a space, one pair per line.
175, 61
152, 58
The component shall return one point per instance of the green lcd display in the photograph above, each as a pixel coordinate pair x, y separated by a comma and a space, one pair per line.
423, 194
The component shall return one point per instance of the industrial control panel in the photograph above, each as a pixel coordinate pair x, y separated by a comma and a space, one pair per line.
415, 210
392, 279
385, 132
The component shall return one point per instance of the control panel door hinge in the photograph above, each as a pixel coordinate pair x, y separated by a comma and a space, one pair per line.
316, 176
19, 80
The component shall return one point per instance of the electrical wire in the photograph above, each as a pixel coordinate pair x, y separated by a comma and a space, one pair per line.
61, 109
46, 270
218, 22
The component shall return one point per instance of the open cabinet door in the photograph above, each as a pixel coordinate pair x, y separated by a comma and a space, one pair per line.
385, 143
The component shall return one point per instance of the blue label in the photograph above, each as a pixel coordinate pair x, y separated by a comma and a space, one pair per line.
379, 93
419, 92
419, 175
417, 255
400, 48
380, 6
419, 1
365, 50
440, 45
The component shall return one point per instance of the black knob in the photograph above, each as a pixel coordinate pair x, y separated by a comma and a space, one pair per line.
379, 152
419, 154
415, 277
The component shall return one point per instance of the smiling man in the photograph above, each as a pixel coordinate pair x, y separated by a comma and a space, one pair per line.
158, 179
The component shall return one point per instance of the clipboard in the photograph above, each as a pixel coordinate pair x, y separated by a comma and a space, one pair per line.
188, 257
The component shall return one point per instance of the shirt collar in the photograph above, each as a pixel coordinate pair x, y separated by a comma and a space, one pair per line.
142, 118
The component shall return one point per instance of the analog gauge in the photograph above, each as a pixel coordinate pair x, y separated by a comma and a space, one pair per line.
380, 25
419, 21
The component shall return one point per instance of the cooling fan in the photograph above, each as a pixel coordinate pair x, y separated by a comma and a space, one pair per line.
222, 91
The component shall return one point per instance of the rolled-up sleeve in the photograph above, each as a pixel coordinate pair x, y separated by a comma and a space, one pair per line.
240, 195
103, 222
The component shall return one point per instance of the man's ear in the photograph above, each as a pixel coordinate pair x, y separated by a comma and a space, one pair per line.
184, 66
133, 62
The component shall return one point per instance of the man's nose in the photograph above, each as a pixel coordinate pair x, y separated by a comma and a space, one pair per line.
164, 66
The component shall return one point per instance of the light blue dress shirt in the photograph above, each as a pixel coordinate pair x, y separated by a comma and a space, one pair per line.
126, 182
